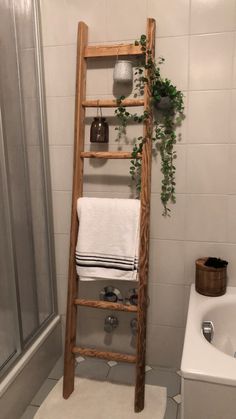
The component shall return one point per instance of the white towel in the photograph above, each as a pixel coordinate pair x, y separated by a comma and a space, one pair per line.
108, 238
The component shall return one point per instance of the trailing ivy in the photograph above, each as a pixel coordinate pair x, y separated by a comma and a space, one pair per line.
166, 113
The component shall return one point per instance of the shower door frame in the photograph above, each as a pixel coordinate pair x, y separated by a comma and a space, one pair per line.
22, 345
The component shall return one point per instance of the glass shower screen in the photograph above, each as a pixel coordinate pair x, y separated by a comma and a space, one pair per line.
27, 264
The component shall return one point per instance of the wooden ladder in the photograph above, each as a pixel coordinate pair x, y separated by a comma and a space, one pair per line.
71, 350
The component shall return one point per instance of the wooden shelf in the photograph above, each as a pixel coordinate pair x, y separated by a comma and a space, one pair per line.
112, 103
111, 356
112, 50
107, 155
105, 305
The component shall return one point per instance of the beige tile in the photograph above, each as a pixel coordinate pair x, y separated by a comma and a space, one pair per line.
118, 19
60, 70
207, 169
175, 52
160, 268
234, 63
61, 211
217, 16
232, 169
208, 116
61, 161
180, 164
232, 117
170, 24
167, 227
60, 20
97, 78
62, 293
231, 219
211, 61
107, 176
163, 313
164, 345
60, 116
206, 218
62, 253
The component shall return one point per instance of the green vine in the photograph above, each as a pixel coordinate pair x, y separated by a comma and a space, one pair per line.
166, 113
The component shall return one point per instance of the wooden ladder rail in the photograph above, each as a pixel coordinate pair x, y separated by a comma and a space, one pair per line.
83, 52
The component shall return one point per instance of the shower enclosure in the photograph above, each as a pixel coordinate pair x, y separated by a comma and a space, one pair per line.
27, 302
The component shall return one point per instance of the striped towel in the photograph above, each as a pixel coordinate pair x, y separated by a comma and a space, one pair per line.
107, 246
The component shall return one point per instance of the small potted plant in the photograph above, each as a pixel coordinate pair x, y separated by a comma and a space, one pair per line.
166, 110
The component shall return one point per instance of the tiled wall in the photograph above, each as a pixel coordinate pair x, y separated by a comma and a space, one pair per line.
198, 41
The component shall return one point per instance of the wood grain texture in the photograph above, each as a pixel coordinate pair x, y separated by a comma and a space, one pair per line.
144, 239
107, 155
112, 50
70, 338
111, 103
105, 305
112, 356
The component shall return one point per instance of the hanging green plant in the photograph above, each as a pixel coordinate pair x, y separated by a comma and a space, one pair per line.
166, 110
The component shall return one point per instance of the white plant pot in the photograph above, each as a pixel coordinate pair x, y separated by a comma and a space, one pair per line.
123, 72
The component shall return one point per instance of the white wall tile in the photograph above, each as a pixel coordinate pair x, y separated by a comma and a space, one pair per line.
167, 227
120, 25
160, 268
175, 52
172, 17
171, 314
234, 62
232, 169
212, 16
211, 61
208, 116
164, 345
206, 217
97, 78
61, 17
60, 70
231, 218
62, 253
232, 117
61, 211
61, 162
62, 293
180, 164
207, 169
60, 115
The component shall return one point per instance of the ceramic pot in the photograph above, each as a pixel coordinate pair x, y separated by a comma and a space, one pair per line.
123, 72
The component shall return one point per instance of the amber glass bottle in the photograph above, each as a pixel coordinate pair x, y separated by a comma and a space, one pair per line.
99, 132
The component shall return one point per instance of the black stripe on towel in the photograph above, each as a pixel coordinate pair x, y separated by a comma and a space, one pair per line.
92, 258
102, 256
96, 265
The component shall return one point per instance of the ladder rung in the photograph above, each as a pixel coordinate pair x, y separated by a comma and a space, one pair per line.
98, 103
106, 305
112, 356
112, 50
107, 155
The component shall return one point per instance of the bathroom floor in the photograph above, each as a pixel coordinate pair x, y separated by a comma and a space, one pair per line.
116, 373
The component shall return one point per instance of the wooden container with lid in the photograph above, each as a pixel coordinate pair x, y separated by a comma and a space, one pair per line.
210, 281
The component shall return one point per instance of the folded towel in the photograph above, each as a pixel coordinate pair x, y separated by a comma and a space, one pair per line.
108, 238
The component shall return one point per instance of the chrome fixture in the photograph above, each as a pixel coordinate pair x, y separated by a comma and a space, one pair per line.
111, 294
208, 330
111, 323
132, 297
134, 326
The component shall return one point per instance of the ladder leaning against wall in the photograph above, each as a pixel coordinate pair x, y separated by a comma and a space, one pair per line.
71, 350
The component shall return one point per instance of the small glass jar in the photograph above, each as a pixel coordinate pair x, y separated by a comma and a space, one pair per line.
99, 132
